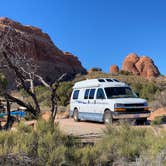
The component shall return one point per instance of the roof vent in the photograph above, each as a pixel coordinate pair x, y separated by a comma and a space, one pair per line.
101, 80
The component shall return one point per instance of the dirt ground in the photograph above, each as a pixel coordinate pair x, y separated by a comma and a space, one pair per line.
158, 112
90, 131
86, 131
80, 128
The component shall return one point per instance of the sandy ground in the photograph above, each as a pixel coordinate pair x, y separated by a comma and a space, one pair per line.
80, 128
89, 131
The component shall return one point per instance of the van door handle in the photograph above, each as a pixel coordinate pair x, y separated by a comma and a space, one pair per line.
94, 101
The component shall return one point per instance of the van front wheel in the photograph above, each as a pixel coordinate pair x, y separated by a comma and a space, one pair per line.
75, 115
107, 117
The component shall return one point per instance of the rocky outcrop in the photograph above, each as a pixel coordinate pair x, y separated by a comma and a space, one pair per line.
114, 69
143, 66
32, 43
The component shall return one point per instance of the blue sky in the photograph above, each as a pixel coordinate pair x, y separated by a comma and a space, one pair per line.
99, 32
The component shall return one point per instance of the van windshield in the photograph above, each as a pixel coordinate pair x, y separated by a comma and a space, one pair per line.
119, 92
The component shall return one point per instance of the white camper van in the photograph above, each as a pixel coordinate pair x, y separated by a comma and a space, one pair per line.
106, 99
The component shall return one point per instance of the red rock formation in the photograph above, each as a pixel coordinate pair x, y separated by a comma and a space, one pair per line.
129, 63
143, 66
114, 69
33, 43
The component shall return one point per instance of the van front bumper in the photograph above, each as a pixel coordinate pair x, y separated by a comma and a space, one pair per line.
131, 115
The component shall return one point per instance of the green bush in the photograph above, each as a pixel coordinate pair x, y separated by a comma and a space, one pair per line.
47, 145
123, 72
159, 100
159, 120
146, 90
64, 92
44, 95
127, 143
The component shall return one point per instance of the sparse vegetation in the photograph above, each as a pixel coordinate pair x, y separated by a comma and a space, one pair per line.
159, 120
159, 100
64, 92
146, 89
47, 145
123, 72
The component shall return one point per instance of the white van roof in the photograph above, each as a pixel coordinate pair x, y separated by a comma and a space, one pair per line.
104, 82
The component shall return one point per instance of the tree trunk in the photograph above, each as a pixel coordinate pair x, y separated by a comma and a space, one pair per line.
53, 105
9, 122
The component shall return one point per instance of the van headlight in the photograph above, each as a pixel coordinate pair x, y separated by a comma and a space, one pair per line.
146, 104
119, 107
146, 108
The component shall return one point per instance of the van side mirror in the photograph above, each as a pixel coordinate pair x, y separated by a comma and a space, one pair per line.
137, 94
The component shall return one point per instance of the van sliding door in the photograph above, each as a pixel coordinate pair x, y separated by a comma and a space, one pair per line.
91, 105
100, 104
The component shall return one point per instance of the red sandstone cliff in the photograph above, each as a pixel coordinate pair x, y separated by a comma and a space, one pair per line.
33, 43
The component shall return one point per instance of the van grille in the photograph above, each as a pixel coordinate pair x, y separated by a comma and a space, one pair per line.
134, 109
134, 105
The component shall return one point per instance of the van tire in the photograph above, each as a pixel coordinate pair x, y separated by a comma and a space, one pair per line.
75, 115
107, 118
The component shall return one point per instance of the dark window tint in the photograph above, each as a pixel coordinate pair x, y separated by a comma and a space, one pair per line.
119, 92
109, 80
116, 80
100, 94
91, 94
86, 94
101, 80
75, 94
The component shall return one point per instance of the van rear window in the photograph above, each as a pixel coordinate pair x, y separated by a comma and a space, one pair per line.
75, 94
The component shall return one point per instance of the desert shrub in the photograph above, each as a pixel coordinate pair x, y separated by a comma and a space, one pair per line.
159, 100
123, 72
159, 120
127, 143
47, 145
146, 90
43, 95
64, 92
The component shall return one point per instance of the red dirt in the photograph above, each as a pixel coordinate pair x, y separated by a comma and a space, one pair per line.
158, 112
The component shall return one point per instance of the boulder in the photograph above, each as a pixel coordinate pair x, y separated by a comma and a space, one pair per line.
143, 66
114, 69
129, 63
147, 68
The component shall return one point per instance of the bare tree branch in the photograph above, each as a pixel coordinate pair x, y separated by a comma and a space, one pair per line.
42, 81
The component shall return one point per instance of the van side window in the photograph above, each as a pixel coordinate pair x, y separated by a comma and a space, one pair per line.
100, 94
75, 94
91, 94
86, 94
